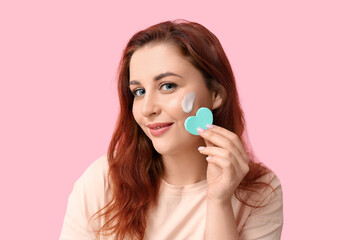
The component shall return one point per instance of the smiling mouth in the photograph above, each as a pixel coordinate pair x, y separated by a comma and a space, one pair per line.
157, 131
158, 125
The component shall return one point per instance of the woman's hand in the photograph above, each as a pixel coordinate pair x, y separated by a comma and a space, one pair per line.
227, 162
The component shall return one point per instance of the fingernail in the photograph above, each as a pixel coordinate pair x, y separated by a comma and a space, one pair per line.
209, 126
200, 129
201, 148
208, 157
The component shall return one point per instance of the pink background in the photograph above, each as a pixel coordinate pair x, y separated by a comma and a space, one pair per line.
298, 69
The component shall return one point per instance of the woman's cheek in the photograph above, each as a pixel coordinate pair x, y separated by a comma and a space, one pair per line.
187, 103
173, 107
182, 107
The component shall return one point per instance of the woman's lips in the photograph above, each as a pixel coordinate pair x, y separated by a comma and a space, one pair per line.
159, 131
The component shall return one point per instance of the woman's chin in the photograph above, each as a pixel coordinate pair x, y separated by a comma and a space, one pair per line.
167, 150
163, 151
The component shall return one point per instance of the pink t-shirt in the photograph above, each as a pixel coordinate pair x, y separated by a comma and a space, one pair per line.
181, 212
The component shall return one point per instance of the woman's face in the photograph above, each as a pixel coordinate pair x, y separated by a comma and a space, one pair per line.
158, 98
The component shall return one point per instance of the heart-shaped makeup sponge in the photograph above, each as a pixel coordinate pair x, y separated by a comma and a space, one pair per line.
203, 116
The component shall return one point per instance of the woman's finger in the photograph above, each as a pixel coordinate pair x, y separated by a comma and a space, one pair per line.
229, 171
223, 142
231, 136
223, 154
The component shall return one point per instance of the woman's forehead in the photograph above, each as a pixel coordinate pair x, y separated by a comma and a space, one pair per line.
152, 61
161, 53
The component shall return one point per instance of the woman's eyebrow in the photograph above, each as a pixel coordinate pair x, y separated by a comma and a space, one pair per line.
156, 78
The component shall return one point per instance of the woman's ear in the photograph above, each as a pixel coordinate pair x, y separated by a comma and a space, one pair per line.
216, 100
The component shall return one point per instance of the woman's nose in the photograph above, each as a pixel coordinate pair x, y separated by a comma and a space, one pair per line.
150, 105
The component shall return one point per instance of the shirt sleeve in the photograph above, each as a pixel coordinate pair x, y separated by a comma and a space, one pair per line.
266, 223
75, 224
86, 198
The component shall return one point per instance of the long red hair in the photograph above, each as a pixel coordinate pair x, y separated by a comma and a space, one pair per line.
135, 173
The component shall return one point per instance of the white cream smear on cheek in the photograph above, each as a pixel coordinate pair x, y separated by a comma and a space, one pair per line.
188, 102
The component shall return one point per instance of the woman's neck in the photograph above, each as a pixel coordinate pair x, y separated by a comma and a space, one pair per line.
185, 167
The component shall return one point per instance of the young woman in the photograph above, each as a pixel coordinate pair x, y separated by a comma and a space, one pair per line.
158, 180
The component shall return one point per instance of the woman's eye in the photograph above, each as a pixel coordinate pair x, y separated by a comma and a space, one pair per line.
137, 90
170, 86
167, 86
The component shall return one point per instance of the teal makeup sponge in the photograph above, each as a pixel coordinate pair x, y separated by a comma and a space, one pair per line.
203, 116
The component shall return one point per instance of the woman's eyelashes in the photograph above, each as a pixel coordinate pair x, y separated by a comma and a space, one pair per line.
168, 87
169, 84
135, 91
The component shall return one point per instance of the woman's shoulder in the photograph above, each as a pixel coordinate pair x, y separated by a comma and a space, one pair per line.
89, 194
97, 169
270, 178
93, 182
264, 219
271, 192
